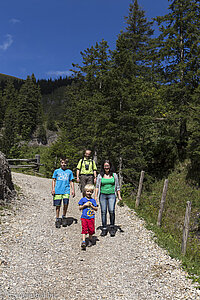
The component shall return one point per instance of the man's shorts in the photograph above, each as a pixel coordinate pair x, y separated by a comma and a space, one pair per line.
85, 179
57, 199
87, 226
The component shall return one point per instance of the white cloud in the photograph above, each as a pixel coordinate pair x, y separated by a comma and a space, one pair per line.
59, 73
7, 43
14, 21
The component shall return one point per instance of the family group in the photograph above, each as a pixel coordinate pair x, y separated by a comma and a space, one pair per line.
106, 188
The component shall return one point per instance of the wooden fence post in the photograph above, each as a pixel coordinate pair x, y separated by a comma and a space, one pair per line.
139, 189
162, 203
37, 157
186, 227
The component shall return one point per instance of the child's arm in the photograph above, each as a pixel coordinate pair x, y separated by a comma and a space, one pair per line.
93, 207
53, 186
72, 188
81, 207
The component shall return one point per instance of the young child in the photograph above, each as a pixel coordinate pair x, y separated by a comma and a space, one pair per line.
61, 183
88, 205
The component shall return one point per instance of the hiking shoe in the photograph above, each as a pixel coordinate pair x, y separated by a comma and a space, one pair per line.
112, 231
83, 246
64, 221
58, 223
90, 243
104, 232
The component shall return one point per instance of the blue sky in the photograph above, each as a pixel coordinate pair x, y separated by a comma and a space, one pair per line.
45, 37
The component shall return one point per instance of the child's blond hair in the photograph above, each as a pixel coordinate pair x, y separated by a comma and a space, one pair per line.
89, 187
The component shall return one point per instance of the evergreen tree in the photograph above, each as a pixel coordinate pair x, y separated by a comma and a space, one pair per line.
29, 111
95, 64
133, 46
179, 53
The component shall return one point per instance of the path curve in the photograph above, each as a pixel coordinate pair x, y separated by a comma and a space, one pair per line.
39, 261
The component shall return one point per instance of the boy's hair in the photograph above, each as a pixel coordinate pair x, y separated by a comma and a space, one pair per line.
64, 158
89, 187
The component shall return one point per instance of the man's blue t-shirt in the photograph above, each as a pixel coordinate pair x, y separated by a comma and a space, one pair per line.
63, 178
88, 212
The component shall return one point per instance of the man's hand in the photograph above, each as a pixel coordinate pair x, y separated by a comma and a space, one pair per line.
53, 192
73, 194
77, 179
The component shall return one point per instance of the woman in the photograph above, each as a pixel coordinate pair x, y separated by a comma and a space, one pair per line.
106, 189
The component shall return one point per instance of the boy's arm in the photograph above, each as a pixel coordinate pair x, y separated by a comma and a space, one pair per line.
81, 207
94, 207
53, 186
72, 188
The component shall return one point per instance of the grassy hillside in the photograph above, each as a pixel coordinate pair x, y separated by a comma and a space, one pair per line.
169, 235
4, 77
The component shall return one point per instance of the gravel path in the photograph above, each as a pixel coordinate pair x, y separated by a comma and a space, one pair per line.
39, 261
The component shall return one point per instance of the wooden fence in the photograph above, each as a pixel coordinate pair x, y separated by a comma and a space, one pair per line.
162, 205
30, 163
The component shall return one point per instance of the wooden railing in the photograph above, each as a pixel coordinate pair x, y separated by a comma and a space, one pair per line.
34, 163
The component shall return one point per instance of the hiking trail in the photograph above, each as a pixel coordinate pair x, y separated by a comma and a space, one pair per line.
39, 261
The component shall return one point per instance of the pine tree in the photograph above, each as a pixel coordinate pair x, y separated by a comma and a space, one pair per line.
179, 54
133, 46
95, 64
29, 111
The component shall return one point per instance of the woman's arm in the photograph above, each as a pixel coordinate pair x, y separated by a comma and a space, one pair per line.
119, 195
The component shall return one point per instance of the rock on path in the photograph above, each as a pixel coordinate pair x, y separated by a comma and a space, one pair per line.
39, 261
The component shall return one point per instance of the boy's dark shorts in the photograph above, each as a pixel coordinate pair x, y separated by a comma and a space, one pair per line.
57, 199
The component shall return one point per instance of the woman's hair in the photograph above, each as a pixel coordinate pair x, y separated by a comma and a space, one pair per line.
102, 172
89, 187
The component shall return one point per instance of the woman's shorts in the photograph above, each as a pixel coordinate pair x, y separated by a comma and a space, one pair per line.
57, 199
88, 226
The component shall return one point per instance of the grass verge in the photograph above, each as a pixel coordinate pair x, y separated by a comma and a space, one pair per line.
169, 235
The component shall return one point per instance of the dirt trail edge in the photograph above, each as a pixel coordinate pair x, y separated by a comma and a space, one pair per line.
39, 261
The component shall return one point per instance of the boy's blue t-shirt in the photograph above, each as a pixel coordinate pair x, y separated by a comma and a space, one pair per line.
63, 178
88, 212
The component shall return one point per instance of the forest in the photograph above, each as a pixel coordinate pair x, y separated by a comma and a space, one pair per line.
138, 104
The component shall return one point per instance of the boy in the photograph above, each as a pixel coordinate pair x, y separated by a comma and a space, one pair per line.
88, 205
61, 183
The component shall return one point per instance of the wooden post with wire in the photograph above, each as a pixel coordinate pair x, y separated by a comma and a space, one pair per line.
162, 203
186, 227
137, 202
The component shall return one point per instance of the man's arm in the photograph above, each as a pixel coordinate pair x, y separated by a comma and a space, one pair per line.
95, 176
77, 175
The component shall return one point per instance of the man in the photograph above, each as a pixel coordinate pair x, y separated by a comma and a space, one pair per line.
86, 170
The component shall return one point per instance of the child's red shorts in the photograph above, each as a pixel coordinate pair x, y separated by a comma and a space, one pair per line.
87, 226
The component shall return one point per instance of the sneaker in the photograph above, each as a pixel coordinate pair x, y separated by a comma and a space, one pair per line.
64, 221
104, 232
83, 246
112, 231
58, 223
90, 243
